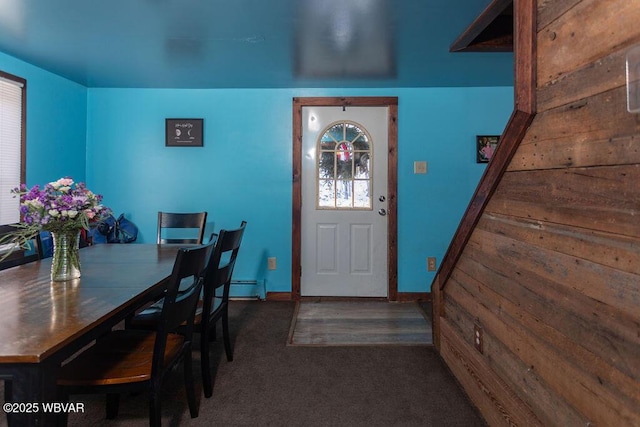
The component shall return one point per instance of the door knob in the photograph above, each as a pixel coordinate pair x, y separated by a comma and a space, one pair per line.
382, 212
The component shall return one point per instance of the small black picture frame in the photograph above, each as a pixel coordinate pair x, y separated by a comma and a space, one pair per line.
485, 146
183, 133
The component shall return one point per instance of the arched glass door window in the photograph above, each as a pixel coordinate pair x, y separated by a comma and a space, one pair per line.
344, 167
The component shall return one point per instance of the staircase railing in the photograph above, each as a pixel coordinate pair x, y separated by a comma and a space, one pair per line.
525, 31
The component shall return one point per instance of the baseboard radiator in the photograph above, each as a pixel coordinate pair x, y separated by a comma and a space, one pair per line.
248, 289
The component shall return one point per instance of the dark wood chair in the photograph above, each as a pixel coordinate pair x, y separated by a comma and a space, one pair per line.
214, 304
215, 300
195, 221
138, 360
18, 256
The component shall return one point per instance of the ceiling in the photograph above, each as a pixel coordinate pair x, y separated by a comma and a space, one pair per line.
251, 43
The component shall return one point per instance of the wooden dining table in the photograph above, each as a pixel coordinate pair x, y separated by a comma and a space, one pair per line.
43, 323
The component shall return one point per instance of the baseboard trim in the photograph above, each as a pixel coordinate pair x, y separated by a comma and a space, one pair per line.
279, 296
414, 296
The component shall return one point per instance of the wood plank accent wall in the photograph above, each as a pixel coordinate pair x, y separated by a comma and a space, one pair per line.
551, 270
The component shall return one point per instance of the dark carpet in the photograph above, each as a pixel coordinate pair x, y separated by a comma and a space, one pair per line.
272, 384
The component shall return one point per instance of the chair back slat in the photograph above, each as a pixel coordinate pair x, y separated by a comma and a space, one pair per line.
232, 240
170, 221
184, 303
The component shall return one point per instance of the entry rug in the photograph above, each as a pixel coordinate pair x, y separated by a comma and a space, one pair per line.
358, 323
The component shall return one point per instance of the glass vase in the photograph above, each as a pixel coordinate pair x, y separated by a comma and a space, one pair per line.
66, 255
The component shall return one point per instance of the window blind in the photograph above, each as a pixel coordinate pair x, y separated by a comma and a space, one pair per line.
10, 148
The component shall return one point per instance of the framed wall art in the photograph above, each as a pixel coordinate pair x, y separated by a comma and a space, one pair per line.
183, 133
485, 146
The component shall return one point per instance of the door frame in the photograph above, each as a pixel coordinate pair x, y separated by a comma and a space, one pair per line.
392, 184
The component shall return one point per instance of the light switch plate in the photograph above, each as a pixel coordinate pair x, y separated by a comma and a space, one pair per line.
419, 167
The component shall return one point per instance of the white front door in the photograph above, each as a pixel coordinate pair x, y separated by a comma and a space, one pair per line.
344, 201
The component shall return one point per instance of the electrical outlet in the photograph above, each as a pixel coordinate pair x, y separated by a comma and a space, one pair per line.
477, 337
271, 263
431, 263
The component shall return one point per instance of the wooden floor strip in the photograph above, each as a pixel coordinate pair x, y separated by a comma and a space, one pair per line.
344, 323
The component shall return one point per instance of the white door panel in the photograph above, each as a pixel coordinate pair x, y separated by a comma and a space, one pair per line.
327, 235
344, 242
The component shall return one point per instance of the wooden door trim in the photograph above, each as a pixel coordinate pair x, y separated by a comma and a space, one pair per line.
392, 183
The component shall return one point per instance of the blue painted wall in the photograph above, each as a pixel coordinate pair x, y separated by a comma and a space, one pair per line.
114, 140
56, 123
244, 169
